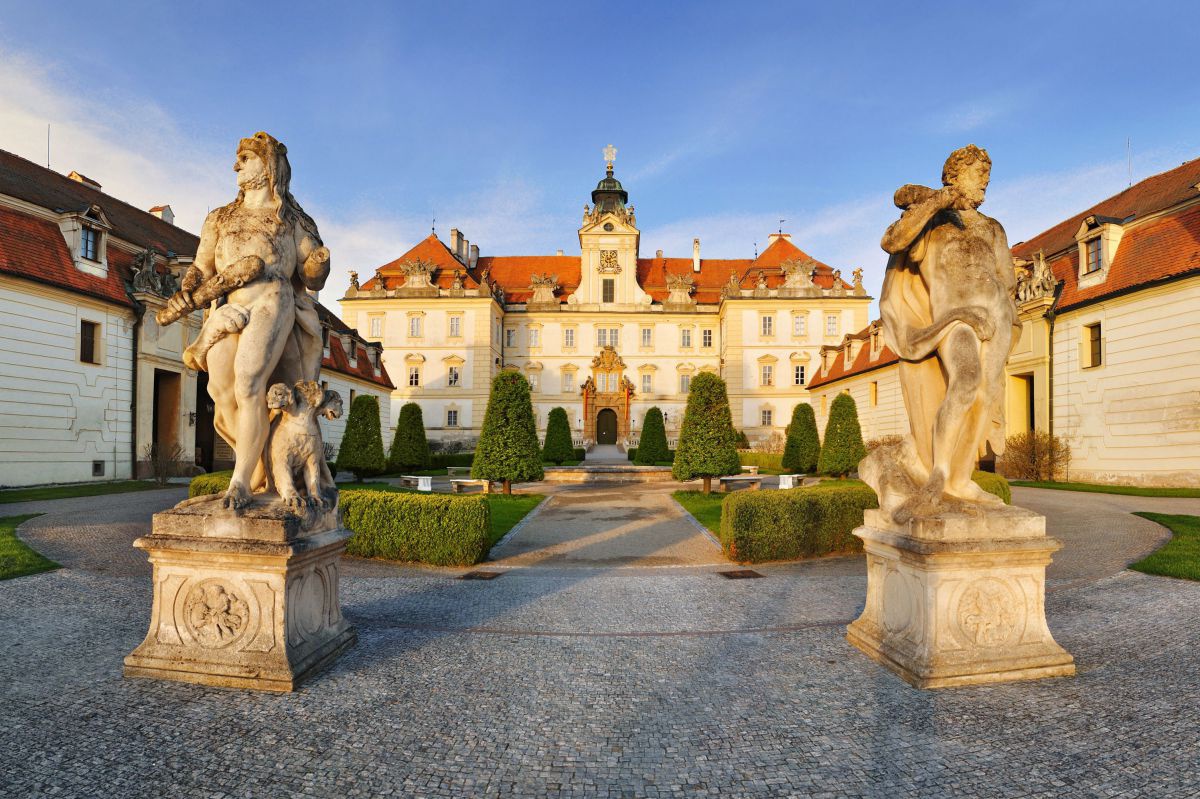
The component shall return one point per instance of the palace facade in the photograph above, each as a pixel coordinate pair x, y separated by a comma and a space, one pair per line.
1109, 350
88, 380
605, 334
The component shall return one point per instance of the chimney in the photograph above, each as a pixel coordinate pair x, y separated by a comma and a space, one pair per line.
84, 179
474, 255
456, 243
558, 252
164, 213
466, 248
658, 254
695, 255
775, 236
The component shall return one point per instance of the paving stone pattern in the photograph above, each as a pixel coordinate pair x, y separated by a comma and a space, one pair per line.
602, 682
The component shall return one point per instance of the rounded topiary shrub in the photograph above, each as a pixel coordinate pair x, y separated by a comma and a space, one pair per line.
410, 449
843, 446
707, 441
559, 446
508, 448
652, 448
803, 447
362, 443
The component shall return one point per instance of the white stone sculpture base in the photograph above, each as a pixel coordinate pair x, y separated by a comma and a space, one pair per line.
958, 599
242, 601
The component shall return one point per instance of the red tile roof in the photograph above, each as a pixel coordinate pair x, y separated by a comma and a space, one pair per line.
515, 272
1161, 248
863, 362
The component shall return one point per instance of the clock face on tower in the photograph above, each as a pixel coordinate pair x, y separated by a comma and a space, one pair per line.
608, 226
608, 261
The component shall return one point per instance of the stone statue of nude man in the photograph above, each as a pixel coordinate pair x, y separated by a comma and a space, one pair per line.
267, 330
948, 312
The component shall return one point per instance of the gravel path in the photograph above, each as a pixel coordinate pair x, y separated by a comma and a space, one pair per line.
601, 680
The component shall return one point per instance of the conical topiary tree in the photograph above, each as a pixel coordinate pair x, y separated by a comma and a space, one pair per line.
410, 450
707, 442
508, 445
362, 443
843, 447
803, 447
558, 447
652, 447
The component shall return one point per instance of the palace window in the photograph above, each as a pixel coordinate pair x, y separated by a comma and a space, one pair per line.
606, 336
685, 337
874, 393
89, 340
568, 381
89, 243
535, 337
1094, 341
455, 326
376, 327
685, 384
533, 381
647, 337
608, 288
647, 384
799, 325
451, 417
706, 337
414, 327
568, 337
454, 377
767, 378
510, 337
766, 415
1094, 261
831, 325
798, 375
353, 394
414, 375
768, 326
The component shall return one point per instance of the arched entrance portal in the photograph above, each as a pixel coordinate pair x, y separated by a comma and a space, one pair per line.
606, 426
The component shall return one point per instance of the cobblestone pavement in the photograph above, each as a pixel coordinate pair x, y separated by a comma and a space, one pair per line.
604, 682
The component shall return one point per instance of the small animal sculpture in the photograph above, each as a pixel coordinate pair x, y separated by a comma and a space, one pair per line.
296, 451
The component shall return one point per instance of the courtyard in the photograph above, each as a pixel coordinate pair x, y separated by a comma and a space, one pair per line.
610, 659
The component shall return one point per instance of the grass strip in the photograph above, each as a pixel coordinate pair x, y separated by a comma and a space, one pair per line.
10, 495
17, 559
1179, 557
1093, 488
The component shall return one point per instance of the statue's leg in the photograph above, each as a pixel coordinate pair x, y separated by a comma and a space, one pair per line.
960, 358
312, 477
220, 387
261, 343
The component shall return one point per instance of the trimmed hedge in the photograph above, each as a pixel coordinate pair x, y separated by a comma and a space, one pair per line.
632, 453
362, 443
558, 446
457, 459
763, 460
652, 447
843, 447
439, 529
410, 449
442, 530
807, 522
803, 447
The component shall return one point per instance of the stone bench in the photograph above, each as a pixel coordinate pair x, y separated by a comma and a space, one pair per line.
752, 480
790, 480
422, 482
458, 471
750, 470
456, 486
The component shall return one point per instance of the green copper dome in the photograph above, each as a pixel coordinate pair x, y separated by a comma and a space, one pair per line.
609, 194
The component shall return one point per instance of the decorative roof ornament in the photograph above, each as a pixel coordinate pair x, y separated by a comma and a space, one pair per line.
680, 288
610, 155
418, 278
1036, 280
859, 289
543, 288
838, 289
147, 280
733, 288
798, 278
354, 281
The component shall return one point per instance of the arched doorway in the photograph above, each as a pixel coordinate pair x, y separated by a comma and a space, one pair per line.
606, 426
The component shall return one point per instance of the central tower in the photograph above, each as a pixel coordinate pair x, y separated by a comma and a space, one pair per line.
608, 242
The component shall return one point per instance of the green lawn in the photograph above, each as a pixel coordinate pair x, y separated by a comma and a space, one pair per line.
16, 558
705, 507
11, 495
1133, 491
1179, 557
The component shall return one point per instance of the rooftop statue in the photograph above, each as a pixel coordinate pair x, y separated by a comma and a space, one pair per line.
948, 312
257, 258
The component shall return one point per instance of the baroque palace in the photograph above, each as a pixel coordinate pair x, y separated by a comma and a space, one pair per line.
605, 334
1109, 351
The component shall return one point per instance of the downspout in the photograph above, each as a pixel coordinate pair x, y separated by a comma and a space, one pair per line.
139, 310
1051, 315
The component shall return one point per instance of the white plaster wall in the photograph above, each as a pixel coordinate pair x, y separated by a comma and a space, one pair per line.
332, 430
57, 415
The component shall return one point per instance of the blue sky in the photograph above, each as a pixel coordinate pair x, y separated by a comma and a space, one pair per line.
491, 117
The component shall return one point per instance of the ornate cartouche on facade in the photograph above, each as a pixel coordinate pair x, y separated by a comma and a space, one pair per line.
418, 279
955, 578
226, 610
543, 287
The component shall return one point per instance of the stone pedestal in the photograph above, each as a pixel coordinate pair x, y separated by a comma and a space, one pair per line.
959, 599
244, 600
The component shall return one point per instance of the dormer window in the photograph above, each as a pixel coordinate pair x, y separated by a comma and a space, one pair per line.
1092, 252
86, 233
89, 243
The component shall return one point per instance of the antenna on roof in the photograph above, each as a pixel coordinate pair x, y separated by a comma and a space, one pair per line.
1129, 158
433, 227
47, 145
781, 221
756, 250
